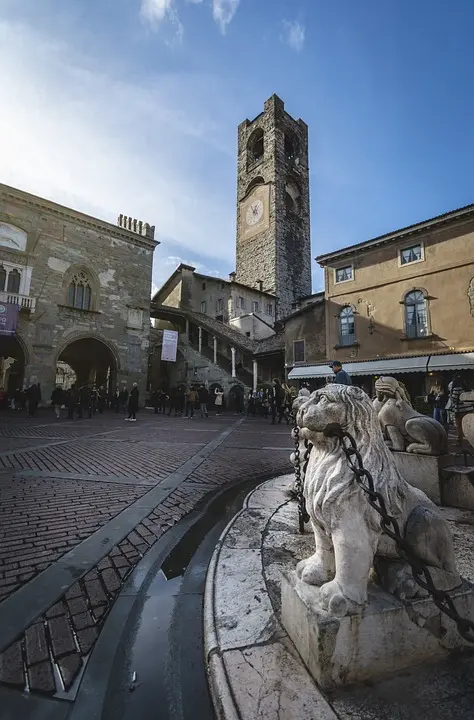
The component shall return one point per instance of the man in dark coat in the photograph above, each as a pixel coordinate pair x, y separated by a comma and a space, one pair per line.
133, 403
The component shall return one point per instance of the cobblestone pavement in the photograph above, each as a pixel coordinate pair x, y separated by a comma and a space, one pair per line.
81, 502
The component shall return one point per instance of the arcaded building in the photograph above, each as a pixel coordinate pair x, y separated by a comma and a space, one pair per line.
82, 288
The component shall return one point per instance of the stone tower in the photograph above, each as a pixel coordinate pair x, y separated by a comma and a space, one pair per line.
273, 227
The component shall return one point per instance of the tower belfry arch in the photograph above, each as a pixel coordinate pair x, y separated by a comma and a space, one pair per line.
273, 222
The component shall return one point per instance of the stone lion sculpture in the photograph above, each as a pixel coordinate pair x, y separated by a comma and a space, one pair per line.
403, 428
347, 531
301, 398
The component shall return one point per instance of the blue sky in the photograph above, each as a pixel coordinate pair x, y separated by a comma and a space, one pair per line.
132, 106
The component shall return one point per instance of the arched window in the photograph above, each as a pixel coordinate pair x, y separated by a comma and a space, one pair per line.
253, 183
346, 326
290, 148
79, 294
255, 147
292, 196
13, 282
416, 314
3, 278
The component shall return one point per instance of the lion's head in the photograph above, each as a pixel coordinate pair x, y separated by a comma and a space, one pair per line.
348, 406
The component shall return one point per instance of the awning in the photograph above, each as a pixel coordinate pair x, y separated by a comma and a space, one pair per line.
453, 361
381, 366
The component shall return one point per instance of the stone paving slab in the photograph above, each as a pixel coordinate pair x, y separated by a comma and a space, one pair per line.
135, 482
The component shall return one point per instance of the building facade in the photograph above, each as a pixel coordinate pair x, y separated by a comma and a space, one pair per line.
83, 289
403, 303
273, 222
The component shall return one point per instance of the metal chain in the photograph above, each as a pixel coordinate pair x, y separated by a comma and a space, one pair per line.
390, 527
303, 516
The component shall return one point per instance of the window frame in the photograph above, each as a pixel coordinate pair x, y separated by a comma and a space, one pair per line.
352, 336
421, 245
255, 306
343, 267
240, 302
203, 307
219, 305
409, 335
295, 343
269, 309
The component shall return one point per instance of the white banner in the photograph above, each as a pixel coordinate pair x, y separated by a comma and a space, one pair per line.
170, 345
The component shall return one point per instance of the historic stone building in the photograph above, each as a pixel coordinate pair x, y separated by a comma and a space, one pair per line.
402, 304
273, 223
83, 289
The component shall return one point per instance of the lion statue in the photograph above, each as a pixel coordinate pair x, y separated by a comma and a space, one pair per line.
301, 398
347, 530
403, 428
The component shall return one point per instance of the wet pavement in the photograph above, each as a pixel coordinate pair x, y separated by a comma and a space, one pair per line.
83, 505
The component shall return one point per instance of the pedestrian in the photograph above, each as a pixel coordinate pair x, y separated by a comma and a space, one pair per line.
277, 399
459, 405
133, 403
57, 400
102, 401
340, 375
251, 404
84, 405
123, 398
181, 400
219, 401
204, 400
163, 397
193, 399
116, 399
173, 401
72, 400
33, 399
437, 399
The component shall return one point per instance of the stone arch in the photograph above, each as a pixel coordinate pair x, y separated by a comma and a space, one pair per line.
93, 358
470, 295
14, 350
292, 196
255, 146
254, 183
85, 276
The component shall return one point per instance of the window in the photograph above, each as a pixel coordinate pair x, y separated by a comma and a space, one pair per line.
290, 148
203, 286
3, 278
269, 309
346, 326
255, 306
411, 254
298, 351
219, 305
13, 282
241, 302
203, 306
247, 334
79, 294
343, 274
416, 314
255, 147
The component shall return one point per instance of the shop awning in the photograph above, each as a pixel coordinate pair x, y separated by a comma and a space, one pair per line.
453, 361
381, 366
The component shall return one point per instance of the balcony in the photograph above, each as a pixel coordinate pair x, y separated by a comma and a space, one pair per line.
24, 301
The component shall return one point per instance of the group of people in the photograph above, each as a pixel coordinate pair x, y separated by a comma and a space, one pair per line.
185, 401
23, 399
449, 405
84, 400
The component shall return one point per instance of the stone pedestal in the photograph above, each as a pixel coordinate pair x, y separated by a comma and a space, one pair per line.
457, 487
422, 471
388, 635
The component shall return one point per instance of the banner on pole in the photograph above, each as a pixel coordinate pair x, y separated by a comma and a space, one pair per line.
170, 345
8, 318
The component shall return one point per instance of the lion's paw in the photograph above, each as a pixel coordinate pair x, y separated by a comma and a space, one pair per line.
333, 600
314, 572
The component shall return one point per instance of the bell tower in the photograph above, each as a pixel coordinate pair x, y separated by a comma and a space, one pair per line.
273, 226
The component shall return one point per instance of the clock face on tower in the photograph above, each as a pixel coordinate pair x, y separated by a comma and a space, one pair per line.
254, 212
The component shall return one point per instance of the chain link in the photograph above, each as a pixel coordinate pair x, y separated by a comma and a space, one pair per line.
390, 527
303, 516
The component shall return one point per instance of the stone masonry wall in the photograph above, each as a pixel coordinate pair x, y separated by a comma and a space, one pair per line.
280, 255
118, 263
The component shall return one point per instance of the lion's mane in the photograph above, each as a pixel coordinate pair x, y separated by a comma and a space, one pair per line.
329, 478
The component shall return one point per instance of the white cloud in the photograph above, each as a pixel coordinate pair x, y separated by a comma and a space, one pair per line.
73, 131
157, 11
294, 34
223, 12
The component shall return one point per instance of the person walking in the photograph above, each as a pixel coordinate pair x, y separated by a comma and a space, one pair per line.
133, 403
459, 406
123, 398
251, 404
57, 400
102, 399
340, 375
33, 399
437, 400
219, 401
277, 401
203, 400
173, 405
193, 399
